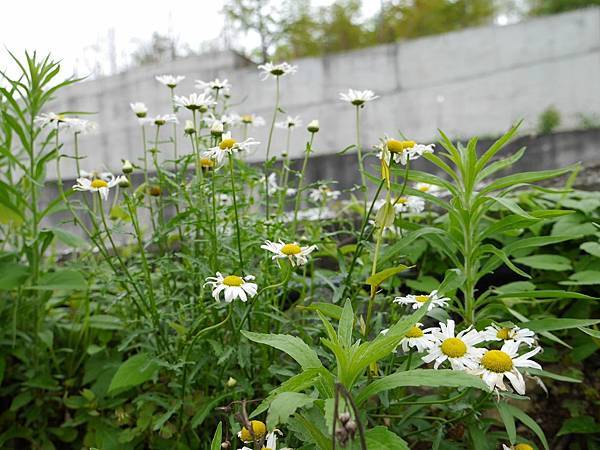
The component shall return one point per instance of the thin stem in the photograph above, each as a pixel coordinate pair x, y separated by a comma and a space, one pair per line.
361, 166
300, 181
235, 210
269, 149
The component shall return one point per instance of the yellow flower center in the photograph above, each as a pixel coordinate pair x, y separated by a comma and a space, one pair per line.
503, 333
402, 200
259, 429
291, 249
227, 143
97, 184
395, 146
206, 163
453, 348
523, 447
423, 188
247, 118
422, 298
233, 280
497, 361
414, 332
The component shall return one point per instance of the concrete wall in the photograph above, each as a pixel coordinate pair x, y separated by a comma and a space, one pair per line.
488, 77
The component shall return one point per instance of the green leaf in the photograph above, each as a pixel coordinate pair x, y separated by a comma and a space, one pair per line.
284, 405
327, 309
105, 322
216, 442
346, 325
553, 324
545, 262
323, 442
292, 345
421, 377
512, 206
579, 425
2, 368
385, 216
207, 408
12, 275
380, 438
553, 376
68, 238
380, 277
594, 333
10, 216
509, 421
529, 422
585, 277
547, 294
593, 248
133, 372
65, 279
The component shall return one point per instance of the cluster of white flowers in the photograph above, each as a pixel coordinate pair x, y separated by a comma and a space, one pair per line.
442, 344
409, 204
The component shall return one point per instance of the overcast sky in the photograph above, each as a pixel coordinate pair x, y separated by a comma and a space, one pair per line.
77, 31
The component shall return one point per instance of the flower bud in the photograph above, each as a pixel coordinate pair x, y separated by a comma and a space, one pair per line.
351, 428
155, 191
124, 182
344, 417
313, 126
216, 129
127, 167
231, 382
189, 127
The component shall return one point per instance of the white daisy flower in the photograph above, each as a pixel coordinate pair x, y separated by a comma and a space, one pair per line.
170, 81
416, 337
290, 192
216, 84
98, 185
195, 102
419, 300
401, 151
459, 350
252, 120
161, 120
139, 109
518, 447
428, 188
322, 194
276, 70
313, 126
296, 255
410, 204
519, 335
228, 145
82, 126
272, 186
290, 122
358, 98
51, 118
233, 287
495, 364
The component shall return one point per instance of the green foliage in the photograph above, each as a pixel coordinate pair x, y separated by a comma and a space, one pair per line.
549, 120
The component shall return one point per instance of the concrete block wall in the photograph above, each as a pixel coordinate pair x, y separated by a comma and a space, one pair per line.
488, 77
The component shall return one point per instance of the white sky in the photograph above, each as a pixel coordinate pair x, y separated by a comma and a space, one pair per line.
76, 31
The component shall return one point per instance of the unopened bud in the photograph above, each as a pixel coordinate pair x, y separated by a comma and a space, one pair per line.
155, 191
127, 167
344, 417
124, 182
189, 127
226, 444
231, 382
216, 129
313, 126
351, 428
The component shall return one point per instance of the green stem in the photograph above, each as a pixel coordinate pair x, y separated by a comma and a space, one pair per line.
269, 150
361, 166
235, 210
300, 181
